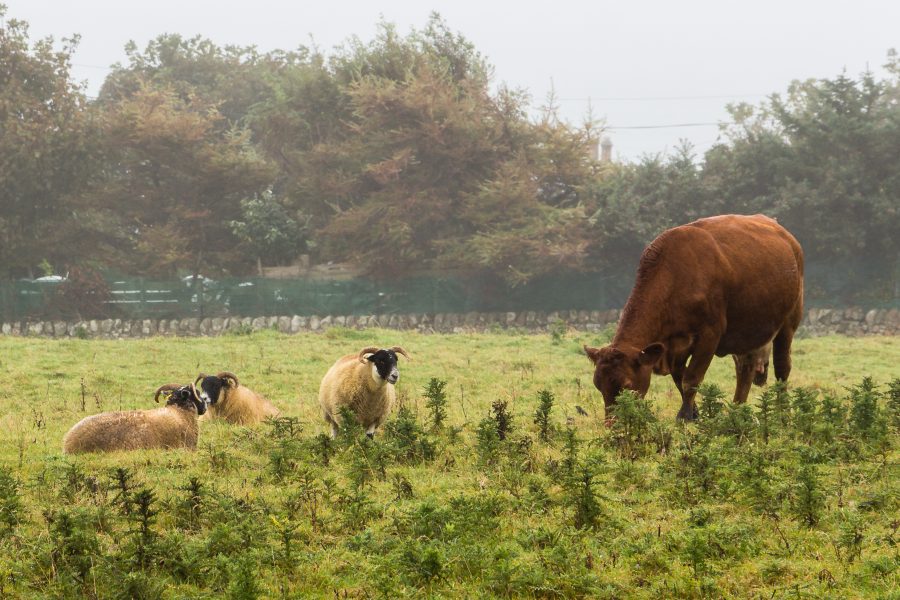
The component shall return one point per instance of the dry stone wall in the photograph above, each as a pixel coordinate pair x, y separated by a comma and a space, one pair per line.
819, 321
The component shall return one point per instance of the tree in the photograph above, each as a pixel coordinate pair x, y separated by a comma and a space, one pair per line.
823, 160
48, 146
443, 173
175, 177
269, 231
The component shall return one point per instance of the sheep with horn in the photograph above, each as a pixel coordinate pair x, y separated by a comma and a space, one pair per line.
171, 426
232, 402
363, 382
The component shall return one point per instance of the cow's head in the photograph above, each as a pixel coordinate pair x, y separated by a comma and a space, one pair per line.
623, 368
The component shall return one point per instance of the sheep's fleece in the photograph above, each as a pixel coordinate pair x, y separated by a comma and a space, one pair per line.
171, 426
364, 383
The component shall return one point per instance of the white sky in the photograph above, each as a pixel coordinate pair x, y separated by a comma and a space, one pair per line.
641, 62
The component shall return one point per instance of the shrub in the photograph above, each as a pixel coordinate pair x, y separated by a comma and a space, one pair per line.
502, 418
803, 406
893, 402
632, 424
808, 498
863, 407
850, 537
487, 441
558, 329
436, 401
542, 414
712, 401
10, 501
408, 441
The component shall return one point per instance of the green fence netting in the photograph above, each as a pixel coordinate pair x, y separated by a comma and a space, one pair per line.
827, 284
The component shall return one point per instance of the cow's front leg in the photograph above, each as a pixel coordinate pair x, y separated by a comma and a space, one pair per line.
693, 377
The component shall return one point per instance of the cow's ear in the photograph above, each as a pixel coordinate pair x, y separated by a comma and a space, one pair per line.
592, 353
651, 354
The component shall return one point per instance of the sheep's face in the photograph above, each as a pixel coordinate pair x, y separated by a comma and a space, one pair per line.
184, 399
211, 389
384, 365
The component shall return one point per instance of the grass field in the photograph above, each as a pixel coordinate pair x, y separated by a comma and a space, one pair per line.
799, 498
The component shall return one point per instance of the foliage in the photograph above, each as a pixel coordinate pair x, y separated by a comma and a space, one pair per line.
268, 230
282, 510
184, 175
436, 401
632, 425
401, 153
542, 414
10, 501
48, 152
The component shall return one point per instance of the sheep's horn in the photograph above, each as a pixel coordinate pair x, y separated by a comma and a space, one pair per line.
199, 377
165, 388
400, 350
231, 376
365, 351
194, 391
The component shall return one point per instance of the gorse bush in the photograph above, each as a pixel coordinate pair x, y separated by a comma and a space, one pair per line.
502, 418
408, 441
542, 414
711, 401
633, 419
10, 501
639, 506
436, 401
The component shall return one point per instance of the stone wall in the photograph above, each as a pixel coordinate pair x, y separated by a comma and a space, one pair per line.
818, 321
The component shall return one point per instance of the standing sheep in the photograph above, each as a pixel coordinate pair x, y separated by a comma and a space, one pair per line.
364, 382
230, 401
171, 426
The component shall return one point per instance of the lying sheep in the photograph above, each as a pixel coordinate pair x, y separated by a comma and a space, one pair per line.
171, 426
230, 401
364, 383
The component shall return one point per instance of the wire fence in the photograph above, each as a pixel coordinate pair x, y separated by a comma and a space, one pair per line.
831, 284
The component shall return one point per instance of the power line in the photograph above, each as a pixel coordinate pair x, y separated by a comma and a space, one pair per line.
91, 66
660, 98
669, 126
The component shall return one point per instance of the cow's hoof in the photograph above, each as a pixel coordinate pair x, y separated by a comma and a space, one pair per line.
687, 416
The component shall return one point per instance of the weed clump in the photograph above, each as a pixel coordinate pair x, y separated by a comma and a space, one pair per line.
436, 401
10, 501
632, 425
542, 415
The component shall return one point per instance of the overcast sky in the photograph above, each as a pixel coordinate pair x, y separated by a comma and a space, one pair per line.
637, 63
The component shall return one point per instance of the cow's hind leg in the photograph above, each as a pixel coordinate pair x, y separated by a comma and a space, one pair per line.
744, 368
781, 353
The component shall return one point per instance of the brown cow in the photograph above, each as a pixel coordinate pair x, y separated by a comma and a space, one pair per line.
730, 284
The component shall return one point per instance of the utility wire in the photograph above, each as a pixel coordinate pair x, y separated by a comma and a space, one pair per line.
669, 126
655, 98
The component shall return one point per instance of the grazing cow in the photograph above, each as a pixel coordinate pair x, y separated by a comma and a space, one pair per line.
730, 284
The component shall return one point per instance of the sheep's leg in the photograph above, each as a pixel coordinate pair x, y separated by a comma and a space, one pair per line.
334, 429
370, 432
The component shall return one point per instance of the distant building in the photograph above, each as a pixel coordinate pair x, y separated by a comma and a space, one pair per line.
601, 151
606, 149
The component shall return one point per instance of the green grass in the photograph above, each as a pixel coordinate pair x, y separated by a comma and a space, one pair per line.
448, 513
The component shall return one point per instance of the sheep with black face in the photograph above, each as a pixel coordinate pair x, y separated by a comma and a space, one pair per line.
171, 426
363, 382
230, 401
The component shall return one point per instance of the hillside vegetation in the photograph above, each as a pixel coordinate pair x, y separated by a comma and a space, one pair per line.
400, 153
488, 481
